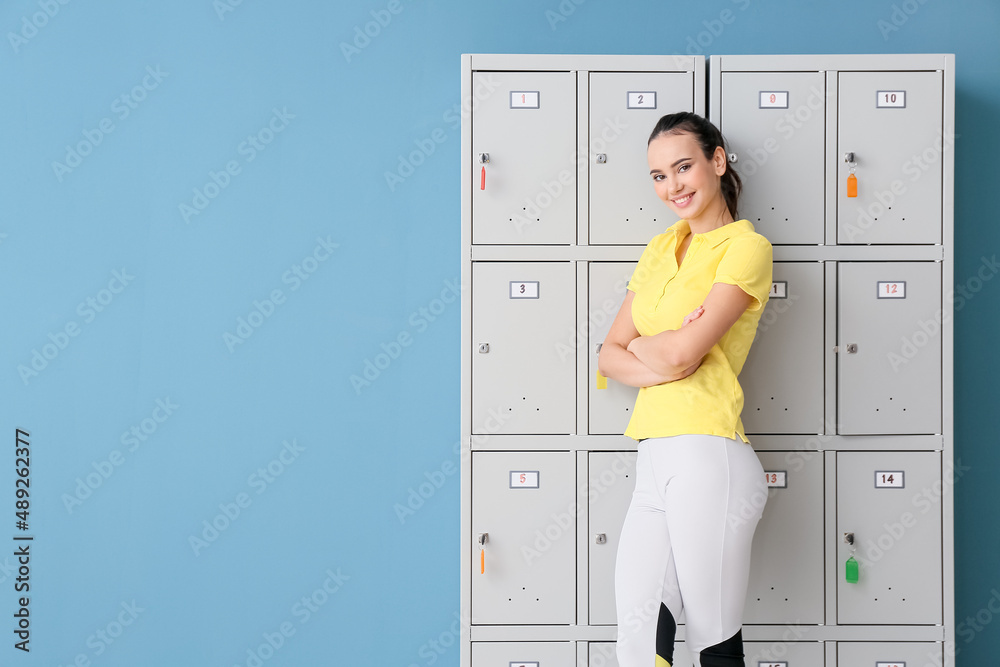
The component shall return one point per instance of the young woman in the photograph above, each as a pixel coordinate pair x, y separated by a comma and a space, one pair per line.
682, 336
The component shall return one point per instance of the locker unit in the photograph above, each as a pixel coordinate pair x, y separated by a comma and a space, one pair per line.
523, 654
524, 371
786, 565
610, 486
774, 123
889, 503
624, 108
847, 165
523, 506
782, 378
891, 122
525, 144
889, 347
889, 654
609, 403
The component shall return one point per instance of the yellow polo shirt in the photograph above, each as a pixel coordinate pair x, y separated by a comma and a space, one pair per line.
710, 400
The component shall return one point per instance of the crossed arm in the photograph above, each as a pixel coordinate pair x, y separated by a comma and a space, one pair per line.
643, 361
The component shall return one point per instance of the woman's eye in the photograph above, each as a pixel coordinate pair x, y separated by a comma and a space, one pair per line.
683, 168
657, 178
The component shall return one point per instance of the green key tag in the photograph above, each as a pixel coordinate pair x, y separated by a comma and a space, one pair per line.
852, 570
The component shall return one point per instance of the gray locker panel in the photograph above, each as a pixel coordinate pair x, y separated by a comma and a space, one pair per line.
891, 383
898, 153
779, 150
624, 208
782, 379
784, 654
602, 654
610, 408
611, 483
525, 383
530, 194
523, 654
530, 560
888, 654
897, 533
786, 564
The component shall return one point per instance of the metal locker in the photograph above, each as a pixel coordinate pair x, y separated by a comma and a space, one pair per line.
602, 654
889, 504
624, 109
612, 481
889, 348
786, 565
523, 654
523, 356
610, 403
888, 654
891, 122
524, 518
782, 378
524, 164
784, 653
775, 125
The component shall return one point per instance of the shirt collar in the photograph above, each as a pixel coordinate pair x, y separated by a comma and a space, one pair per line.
681, 228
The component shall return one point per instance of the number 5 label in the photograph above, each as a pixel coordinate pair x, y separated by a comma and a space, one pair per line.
524, 479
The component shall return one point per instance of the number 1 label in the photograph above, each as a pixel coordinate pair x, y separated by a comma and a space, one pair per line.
524, 99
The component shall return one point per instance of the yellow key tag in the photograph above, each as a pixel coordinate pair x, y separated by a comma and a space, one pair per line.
852, 186
602, 382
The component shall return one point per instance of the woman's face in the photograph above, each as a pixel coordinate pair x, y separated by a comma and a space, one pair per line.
683, 177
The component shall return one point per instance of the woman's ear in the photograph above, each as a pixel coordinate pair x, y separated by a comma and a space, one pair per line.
720, 160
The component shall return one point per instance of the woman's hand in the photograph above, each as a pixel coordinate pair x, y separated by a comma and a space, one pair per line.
640, 340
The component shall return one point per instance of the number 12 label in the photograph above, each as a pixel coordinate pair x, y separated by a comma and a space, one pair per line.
892, 289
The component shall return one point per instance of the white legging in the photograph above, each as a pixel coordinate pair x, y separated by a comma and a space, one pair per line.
686, 542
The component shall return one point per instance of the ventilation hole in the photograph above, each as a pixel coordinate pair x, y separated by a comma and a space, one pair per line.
890, 398
538, 219
511, 219
890, 208
772, 208
772, 588
536, 599
640, 208
758, 599
522, 588
758, 219
786, 219
626, 219
524, 208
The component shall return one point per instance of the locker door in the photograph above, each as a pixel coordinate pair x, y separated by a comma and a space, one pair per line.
602, 654
523, 362
785, 654
892, 123
523, 654
525, 504
527, 127
612, 481
624, 109
786, 576
889, 348
774, 123
610, 408
782, 379
888, 654
891, 503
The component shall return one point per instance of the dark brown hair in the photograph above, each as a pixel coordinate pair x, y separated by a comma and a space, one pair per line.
709, 138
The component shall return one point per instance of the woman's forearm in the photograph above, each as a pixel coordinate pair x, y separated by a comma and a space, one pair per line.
622, 366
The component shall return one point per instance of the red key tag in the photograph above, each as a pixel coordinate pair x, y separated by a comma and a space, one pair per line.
482, 180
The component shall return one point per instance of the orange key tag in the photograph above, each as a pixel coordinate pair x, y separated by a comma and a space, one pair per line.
482, 180
852, 186
482, 561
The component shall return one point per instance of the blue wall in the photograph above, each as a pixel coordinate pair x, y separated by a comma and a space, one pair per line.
199, 248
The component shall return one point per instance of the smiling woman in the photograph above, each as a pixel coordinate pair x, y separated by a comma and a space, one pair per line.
682, 336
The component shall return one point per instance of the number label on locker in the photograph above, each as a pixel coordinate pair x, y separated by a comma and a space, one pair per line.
892, 289
524, 99
779, 290
776, 479
890, 664
891, 99
524, 664
772, 664
773, 99
524, 479
524, 290
889, 479
642, 100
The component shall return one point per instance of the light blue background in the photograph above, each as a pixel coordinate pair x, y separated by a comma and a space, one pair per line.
323, 176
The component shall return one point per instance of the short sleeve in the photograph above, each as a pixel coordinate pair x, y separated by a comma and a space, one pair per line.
747, 264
